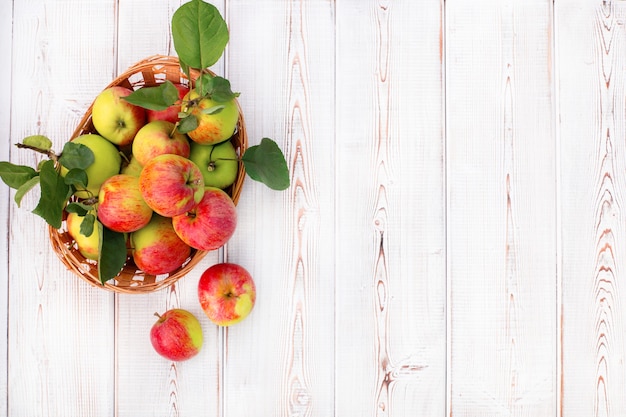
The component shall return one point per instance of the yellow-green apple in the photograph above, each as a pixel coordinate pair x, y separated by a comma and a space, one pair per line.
156, 248
209, 224
171, 113
121, 207
158, 138
176, 335
88, 246
171, 184
218, 163
227, 293
133, 167
115, 118
212, 127
107, 162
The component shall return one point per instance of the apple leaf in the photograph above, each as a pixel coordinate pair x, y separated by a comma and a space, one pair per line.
54, 195
154, 98
216, 87
76, 155
87, 225
15, 175
79, 208
200, 34
213, 110
38, 141
76, 177
187, 124
112, 253
25, 188
266, 163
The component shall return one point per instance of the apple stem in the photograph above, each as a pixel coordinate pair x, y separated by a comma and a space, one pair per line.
46, 152
173, 132
158, 315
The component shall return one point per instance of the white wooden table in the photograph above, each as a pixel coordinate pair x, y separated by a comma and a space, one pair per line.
453, 242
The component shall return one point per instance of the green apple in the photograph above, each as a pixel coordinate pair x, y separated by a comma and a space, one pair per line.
157, 138
156, 248
218, 163
88, 246
133, 167
215, 127
107, 162
115, 118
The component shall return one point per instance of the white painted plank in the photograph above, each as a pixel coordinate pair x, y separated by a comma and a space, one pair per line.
189, 388
6, 29
501, 209
390, 220
280, 360
60, 359
591, 89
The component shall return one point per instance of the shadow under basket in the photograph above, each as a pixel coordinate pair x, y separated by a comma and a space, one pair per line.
148, 72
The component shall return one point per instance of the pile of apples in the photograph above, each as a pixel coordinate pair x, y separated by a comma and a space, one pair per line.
163, 189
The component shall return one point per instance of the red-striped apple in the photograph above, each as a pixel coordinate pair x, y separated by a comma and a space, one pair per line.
176, 335
158, 138
121, 207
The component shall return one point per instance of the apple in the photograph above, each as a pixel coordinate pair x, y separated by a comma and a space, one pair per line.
158, 138
171, 184
210, 224
88, 246
156, 248
176, 335
171, 113
132, 167
121, 207
218, 163
227, 293
107, 162
115, 118
212, 128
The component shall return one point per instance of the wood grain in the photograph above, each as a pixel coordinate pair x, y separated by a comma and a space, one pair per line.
592, 131
501, 209
390, 273
60, 335
285, 239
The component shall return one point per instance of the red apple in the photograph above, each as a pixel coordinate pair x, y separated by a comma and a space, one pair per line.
156, 248
210, 224
177, 335
115, 118
171, 184
158, 138
227, 293
121, 206
171, 113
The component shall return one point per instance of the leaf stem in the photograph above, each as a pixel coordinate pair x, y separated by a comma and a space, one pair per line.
46, 152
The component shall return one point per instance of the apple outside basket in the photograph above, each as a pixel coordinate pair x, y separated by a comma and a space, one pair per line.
148, 72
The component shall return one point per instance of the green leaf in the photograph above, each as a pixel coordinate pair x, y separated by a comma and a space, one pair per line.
200, 34
187, 124
154, 98
15, 175
87, 225
79, 208
112, 253
266, 163
54, 195
25, 188
38, 141
216, 87
213, 110
76, 177
76, 155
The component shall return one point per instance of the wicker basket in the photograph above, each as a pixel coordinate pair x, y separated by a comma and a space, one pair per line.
148, 72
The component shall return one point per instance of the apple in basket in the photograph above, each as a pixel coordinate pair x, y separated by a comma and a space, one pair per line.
158, 138
171, 184
218, 163
210, 223
171, 113
106, 163
176, 335
156, 248
227, 293
121, 207
216, 120
115, 118
88, 246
